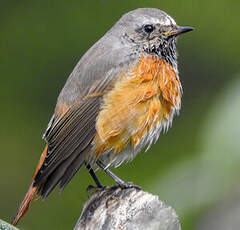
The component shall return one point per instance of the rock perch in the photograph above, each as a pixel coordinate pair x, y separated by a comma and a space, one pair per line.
126, 209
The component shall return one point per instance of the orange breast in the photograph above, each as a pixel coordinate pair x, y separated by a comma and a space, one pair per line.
138, 102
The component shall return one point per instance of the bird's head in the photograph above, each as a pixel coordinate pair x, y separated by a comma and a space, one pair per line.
153, 31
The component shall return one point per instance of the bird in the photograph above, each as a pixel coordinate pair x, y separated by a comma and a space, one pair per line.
123, 92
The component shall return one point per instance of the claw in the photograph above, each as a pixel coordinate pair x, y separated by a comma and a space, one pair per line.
92, 189
129, 185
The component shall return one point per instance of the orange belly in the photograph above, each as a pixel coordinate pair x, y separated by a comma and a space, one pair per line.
141, 103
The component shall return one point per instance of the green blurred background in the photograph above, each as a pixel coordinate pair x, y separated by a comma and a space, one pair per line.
193, 168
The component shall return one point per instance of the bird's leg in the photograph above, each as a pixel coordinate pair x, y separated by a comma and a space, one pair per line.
118, 180
94, 176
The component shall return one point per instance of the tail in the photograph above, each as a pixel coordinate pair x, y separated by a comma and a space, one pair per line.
32, 191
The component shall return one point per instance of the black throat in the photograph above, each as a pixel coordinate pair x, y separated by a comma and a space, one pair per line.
165, 50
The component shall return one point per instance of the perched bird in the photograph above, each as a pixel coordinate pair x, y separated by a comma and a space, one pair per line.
122, 93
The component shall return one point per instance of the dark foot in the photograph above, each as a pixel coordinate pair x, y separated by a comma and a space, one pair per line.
129, 185
119, 181
91, 189
116, 193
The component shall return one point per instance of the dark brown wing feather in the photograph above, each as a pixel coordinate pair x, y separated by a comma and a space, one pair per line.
70, 137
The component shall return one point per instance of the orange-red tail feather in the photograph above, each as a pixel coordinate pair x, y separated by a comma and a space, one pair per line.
31, 191
25, 203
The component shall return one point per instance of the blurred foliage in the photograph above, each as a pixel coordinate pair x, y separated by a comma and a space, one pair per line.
40, 43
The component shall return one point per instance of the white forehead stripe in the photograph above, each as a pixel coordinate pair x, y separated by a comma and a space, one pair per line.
167, 21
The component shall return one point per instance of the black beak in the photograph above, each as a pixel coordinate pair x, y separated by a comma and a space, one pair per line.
181, 30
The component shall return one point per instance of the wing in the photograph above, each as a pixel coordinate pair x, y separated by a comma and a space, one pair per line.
72, 128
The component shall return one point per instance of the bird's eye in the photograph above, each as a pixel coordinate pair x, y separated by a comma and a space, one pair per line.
148, 28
